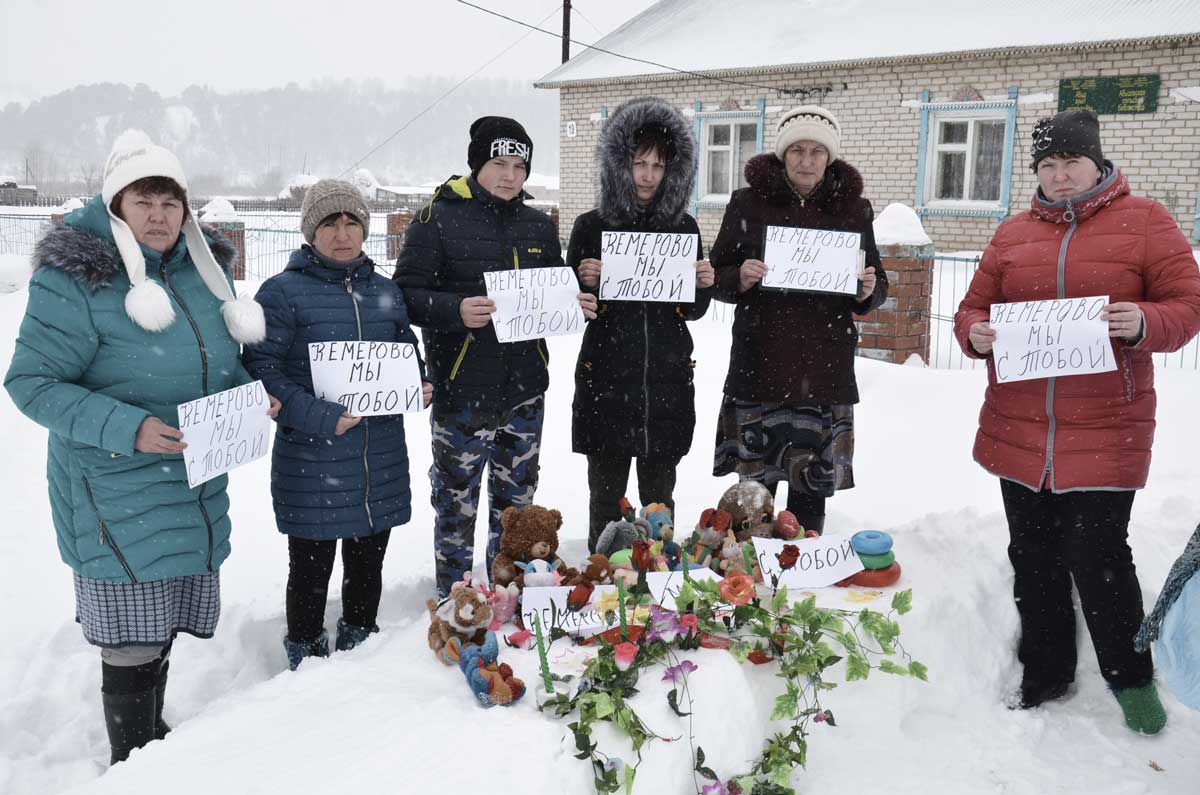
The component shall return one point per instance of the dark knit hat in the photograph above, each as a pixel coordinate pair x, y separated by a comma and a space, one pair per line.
1072, 132
328, 197
498, 136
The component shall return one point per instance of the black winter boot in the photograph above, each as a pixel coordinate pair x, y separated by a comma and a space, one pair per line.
130, 703
161, 729
814, 522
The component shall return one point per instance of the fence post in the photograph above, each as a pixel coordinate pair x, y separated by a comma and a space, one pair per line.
900, 326
397, 228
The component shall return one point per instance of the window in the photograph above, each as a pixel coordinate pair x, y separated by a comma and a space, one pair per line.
727, 147
968, 159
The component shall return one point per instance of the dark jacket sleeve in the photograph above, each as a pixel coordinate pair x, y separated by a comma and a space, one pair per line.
697, 309
727, 254
880, 294
405, 333
266, 361
418, 272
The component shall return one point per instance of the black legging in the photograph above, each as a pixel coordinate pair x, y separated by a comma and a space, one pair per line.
809, 509
310, 564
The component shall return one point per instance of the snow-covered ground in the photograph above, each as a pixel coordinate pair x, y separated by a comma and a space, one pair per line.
389, 718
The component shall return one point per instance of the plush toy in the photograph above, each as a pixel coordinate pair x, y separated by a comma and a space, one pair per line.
461, 620
529, 533
620, 534
597, 571
707, 538
659, 517
732, 561
752, 509
491, 683
539, 573
671, 551
504, 600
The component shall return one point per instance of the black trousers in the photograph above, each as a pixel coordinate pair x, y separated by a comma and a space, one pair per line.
609, 475
1082, 535
310, 563
809, 509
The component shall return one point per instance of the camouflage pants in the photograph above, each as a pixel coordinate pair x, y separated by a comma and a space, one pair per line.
508, 441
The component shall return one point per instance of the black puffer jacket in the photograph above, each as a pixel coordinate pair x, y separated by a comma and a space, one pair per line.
791, 346
463, 233
633, 383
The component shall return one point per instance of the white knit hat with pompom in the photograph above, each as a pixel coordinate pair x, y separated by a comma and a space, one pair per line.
134, 156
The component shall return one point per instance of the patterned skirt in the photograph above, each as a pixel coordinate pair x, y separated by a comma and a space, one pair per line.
810, 446
115, 614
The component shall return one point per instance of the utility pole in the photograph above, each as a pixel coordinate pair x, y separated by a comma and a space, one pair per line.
566, 37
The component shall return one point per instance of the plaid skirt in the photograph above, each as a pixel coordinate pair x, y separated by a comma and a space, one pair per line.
114, 614
810, 446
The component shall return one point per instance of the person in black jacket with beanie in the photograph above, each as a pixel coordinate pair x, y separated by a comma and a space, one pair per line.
488, 396
634, 396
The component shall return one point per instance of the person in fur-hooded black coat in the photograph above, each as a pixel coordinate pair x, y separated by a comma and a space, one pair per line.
634, 396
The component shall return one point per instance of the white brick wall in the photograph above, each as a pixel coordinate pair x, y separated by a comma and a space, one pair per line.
1159, 152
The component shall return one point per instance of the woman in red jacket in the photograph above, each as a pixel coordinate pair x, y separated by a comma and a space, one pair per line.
1070, 451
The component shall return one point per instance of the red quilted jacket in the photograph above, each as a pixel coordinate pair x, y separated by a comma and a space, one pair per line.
1083, 431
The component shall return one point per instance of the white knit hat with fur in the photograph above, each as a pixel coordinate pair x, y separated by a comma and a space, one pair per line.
809, 123
134, 156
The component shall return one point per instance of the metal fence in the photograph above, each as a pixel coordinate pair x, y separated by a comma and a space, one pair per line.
952, 274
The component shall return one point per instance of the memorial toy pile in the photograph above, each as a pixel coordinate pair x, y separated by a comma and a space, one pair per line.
746, 580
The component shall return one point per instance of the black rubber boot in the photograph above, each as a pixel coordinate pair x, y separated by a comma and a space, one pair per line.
161, 729
130, 702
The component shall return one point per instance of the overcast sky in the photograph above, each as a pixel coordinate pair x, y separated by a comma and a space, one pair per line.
47, 46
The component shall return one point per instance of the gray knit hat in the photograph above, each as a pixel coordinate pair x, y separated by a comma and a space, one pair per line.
328, 197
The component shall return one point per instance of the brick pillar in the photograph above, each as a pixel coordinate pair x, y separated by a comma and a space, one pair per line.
397, 228
235, 233
900, 327
57, 218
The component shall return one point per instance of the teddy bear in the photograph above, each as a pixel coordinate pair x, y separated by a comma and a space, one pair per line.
461, 620
529, 533
596, 570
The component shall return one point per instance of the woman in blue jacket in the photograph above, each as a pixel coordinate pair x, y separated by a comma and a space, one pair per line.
333, 475
131, 314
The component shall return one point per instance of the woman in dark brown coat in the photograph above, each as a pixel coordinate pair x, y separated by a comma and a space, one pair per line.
788, 410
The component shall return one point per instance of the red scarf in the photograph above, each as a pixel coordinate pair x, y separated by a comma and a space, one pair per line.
1082, 210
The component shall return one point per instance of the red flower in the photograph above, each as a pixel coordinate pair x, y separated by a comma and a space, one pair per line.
737, 589
580, 595
759, 657
690, 623
788, 556
641, 557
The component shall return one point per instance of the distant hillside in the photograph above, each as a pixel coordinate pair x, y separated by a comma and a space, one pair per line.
253, 141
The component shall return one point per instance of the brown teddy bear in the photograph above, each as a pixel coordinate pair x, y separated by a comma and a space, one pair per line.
752, 508
529, 534
598, 571
461, 620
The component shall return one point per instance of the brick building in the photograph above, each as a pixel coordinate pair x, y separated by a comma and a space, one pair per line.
936, 98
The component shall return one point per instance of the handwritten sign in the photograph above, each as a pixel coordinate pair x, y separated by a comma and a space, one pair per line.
1043, 339
535, 302
823, 561
664, 585
551, 605
368, 378
648, 266
819, 260
223, 431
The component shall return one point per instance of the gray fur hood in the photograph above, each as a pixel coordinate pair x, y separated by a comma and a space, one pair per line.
614, 154
94, 260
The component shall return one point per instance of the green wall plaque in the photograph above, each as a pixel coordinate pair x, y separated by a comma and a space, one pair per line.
1124, 94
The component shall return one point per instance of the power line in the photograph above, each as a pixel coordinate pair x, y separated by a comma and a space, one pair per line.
451, 90
687, 72
575, 8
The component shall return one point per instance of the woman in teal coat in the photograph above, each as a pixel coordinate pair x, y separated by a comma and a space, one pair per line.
129, 316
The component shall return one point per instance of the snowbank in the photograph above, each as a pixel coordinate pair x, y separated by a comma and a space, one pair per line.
15, 270
899, 225
297, 185
219, 211
389, 718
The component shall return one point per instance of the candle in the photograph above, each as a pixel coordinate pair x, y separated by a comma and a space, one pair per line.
685, 565
541, 644
621, 608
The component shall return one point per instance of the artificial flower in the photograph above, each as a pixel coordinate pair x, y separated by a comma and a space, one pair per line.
607, 602
690, 623
737, 589
641, 557
521, 639
684, 668
788, 556
715, 788
624, 654
664, 625
579, 596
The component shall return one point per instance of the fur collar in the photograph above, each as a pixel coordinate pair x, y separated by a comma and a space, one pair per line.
614, 155
94, 261
837, 194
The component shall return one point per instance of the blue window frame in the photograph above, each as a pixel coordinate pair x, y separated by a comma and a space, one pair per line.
725, 140
965, 157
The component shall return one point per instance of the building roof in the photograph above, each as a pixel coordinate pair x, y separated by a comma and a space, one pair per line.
716, 37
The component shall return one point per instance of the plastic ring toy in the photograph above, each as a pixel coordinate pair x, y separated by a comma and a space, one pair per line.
871, 542
876, 578
878, 561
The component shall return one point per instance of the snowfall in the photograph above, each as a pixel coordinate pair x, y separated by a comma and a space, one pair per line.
388, 717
